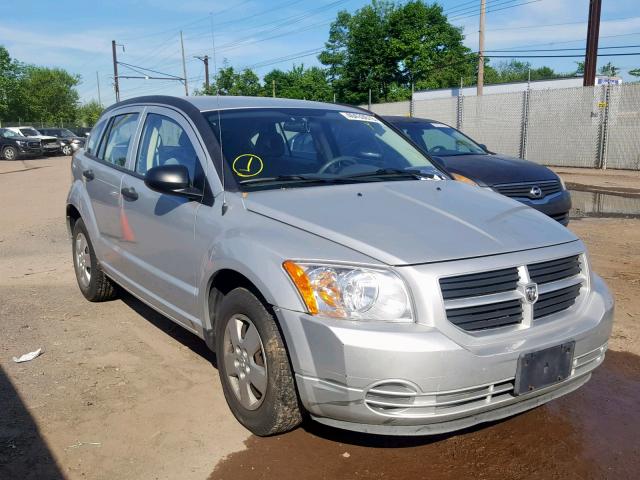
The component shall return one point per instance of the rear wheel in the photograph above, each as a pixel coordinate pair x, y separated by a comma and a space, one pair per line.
254, 366
10, 153
93, 283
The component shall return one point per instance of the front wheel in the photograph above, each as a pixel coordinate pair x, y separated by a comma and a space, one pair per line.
10, 153
67, 150
254, 366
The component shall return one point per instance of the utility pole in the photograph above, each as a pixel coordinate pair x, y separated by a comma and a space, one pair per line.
483, 12
116, 86
98, 83
369, 103
593, 34
273, 88
205, 60
184, 66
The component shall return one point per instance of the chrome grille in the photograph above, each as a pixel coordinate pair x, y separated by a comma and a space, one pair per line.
33, 144
556, 301
479, 283
523, 190
553, 270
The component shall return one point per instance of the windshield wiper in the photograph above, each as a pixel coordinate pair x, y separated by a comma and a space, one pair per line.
294, 179
391, 173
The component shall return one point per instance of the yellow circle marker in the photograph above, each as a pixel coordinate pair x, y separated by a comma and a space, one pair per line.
247, 165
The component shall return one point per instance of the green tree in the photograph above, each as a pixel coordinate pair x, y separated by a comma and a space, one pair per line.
89, 113
48, 94
300, 83
609, 69
10, 71
387, 47
229, 82
635, 72
517, 71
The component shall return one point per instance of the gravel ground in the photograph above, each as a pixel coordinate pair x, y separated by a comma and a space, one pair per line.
120, 392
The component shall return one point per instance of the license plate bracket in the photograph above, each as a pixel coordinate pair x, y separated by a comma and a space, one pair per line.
544, 368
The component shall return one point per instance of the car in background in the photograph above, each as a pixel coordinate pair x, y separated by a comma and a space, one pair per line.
50, 145
468, 161
14, 146
69, 141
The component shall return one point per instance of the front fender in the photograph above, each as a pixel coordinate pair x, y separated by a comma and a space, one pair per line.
256, 246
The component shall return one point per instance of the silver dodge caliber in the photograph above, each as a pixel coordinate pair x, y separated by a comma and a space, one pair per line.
331, 266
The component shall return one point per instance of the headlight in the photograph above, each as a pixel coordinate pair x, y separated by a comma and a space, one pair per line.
22, 143
564, 187
353, 293
463, 179
75, 140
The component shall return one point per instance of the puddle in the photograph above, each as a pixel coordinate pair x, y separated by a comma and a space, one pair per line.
588, 202
589, 434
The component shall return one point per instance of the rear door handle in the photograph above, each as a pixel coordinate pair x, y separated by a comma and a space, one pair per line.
88, 174
129, 193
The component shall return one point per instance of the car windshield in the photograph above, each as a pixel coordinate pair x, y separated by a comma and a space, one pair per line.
29, 132
440, 139
64, 133
271, 147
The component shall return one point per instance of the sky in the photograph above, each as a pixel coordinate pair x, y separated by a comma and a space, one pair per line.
265, 34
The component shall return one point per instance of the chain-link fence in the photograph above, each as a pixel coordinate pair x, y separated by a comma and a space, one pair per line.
596, 127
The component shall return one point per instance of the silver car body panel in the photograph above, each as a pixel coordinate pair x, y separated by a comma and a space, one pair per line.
348, 373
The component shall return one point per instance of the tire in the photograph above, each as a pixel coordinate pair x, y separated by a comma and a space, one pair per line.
67, 150
93, 283
10, 153
269, 405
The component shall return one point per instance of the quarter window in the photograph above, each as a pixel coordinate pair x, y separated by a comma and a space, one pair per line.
165, 142
114, 149
94, 137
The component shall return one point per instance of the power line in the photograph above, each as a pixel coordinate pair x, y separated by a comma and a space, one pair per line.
561, 49
490, 3
456, 18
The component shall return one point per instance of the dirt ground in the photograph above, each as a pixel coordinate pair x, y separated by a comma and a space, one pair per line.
120, 392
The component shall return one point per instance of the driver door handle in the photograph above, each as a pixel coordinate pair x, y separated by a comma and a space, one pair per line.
129, 193
88, 174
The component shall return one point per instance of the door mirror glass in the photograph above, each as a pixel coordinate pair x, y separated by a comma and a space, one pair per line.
171, 179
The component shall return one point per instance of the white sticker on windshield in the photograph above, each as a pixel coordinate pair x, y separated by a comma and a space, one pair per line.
360, 117
439, 125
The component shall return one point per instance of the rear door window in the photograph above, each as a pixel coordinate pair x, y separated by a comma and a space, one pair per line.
115, 146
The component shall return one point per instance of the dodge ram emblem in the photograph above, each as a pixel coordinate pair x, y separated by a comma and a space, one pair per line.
531, 293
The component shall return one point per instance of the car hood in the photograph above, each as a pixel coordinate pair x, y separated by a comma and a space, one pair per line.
46, 137
412, 222
496, 169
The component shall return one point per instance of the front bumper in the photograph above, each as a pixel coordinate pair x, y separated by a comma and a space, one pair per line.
416, 380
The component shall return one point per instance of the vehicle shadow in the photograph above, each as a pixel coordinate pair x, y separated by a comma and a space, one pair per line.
175, 331
23, 452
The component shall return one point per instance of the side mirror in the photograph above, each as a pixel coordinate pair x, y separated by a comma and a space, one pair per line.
483, 146
172, 180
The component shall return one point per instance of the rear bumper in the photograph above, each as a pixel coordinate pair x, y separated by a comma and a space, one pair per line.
557, 206
415, 380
